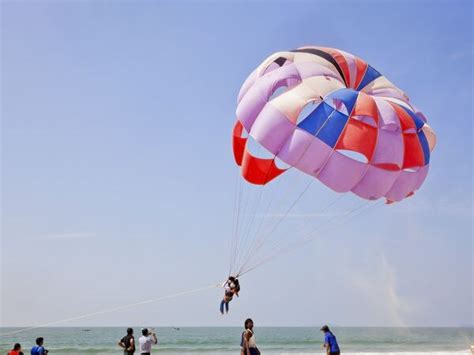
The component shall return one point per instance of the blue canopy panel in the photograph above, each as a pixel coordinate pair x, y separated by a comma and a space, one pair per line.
313, 122
370, 75
347, 96
418, 121
425, 146
325, 123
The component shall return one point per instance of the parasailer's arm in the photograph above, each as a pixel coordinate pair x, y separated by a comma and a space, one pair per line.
226, 283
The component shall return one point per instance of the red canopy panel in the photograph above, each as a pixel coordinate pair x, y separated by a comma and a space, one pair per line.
413, 157
361, 69
358, 137
255, 170
366, 106
259, 171
387, 166
406, 122
238, 142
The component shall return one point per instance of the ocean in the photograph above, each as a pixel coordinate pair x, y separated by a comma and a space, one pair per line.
270, 340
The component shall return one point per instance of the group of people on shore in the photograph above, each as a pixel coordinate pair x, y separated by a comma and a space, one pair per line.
38, 349
145, 342
248, 342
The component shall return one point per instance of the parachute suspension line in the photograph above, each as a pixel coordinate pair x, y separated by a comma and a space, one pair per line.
237, 200
310, 231
263, 218
233, 225
259, 242
111, 310
236, 218
359, 209
266, 235
285, 249
323, 210
240, 217
272, 198
242, 214
245, 238
305, 225
271, 227
311, 237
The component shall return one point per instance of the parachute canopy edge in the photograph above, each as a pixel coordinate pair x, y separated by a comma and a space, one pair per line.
255, 170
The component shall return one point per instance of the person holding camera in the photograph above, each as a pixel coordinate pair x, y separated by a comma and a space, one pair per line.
146, 341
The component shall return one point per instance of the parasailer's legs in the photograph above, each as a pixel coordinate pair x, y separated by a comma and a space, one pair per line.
225, 304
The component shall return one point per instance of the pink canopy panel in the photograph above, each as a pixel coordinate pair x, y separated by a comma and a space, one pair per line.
331, 115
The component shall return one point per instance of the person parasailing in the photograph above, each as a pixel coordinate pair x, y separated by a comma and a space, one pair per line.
231, 287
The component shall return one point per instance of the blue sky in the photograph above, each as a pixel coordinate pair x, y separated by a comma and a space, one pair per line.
118, 179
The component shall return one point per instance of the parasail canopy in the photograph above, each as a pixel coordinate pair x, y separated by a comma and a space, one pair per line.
360, 133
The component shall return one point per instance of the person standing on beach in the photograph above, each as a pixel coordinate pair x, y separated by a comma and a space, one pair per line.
16, 350
146, 341
248, 345
39, 349
127, 343
330, 341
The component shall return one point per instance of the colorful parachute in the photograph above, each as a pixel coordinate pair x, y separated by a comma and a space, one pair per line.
360, 134
330, 115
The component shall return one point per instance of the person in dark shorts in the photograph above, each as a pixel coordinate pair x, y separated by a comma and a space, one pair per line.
248, 344
330, 341
127, 343
39, 349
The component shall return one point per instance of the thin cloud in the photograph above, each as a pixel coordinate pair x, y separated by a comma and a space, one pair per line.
380, 287
446, 207
68, 236
298, 215
462, 54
